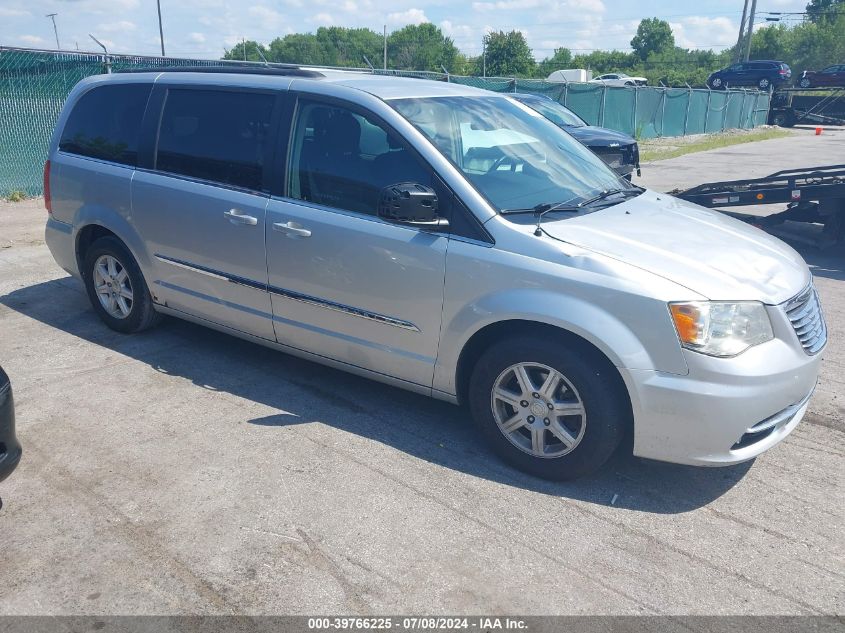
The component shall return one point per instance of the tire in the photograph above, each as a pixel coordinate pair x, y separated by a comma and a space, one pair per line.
593, 434
764, 84
804, 83
716, 83
132, 311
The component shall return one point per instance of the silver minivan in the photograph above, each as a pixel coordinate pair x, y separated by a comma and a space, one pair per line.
439, 238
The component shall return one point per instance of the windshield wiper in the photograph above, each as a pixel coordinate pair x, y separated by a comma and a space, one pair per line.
543, 209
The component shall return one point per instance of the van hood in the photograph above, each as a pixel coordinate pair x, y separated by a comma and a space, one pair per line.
708, 252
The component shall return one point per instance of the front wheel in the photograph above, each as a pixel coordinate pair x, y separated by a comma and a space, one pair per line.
553, 410
116, 287
716, 83
804, 83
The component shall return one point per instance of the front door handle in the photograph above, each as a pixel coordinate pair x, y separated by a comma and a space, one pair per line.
291, 229
236, 216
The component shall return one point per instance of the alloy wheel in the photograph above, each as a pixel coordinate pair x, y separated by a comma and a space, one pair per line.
538, 410
113, 286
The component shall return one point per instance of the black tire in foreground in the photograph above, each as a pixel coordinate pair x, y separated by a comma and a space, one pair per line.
116, 287
537, 426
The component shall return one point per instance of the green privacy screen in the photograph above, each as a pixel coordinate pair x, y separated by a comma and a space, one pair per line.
34, 85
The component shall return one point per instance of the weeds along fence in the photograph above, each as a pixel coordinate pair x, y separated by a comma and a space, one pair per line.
35, 83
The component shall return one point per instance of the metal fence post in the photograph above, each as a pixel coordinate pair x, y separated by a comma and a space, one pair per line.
707, 110
663, 113
636, 103
565, 92
742, 111
634, 111
686, 114
725, 110
601, 106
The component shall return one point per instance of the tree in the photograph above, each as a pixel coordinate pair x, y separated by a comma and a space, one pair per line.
508, 55
772, 42
422, 47
329, 46
653, 36
247, 50
561, 60
824, 10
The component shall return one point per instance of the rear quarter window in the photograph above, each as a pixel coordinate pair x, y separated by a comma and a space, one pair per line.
105, 123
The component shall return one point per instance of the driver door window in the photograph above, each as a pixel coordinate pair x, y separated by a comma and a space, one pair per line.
343, 159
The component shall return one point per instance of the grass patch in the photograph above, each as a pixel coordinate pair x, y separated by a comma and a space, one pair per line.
661, 149
16, 196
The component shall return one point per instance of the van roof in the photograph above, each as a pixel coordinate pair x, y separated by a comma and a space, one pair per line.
382, 86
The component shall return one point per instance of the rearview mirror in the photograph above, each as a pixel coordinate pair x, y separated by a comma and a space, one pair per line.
410, 203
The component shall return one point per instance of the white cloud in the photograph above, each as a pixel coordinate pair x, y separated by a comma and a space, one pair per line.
30, 39
325, 19
265, 15
411, 16
13, 13
197, 38
704, 32
117, 27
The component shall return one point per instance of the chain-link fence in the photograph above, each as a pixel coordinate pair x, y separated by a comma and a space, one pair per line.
34, 85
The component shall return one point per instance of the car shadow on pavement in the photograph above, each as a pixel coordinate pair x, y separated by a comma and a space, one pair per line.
827, 263
305, 393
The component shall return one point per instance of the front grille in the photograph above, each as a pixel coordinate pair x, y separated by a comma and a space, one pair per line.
805, 314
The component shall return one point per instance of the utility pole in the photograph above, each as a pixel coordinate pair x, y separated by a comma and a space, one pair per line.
740, 39
385, 47
750, 29
160, 29
243, 46
52, 16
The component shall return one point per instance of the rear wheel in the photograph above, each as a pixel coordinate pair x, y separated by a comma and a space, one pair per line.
116, 287
550, 409
764, 84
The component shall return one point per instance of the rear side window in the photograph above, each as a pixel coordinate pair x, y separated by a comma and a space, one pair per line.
216, 135
105, 123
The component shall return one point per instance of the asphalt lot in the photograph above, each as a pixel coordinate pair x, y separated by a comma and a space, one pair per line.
183, 471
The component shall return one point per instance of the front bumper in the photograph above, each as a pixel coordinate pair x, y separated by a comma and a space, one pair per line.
725, 410
623, 160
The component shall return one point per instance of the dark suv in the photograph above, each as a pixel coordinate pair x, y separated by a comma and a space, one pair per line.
763, 73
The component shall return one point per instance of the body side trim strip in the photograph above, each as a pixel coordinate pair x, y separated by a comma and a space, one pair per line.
290, 294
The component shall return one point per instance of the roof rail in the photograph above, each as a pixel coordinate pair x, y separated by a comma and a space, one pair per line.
287, 70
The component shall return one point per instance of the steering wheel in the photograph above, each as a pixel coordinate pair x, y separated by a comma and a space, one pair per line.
502, 160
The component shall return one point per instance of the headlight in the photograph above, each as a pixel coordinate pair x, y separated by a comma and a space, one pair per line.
721, 329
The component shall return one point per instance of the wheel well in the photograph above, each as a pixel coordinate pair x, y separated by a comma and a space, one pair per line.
87, 236
490, 334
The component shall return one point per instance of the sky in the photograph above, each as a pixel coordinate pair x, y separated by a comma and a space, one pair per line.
203, 28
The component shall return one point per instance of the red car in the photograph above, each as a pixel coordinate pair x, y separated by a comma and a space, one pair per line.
830, 76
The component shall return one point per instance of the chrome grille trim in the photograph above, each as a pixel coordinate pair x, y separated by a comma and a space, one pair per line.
804, 312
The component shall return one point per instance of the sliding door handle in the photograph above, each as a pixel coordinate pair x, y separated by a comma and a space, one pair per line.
291, 229
236, 216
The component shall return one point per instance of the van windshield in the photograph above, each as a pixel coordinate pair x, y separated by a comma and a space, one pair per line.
514, 156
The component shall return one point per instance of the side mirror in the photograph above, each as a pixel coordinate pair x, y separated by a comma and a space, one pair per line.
410, 203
